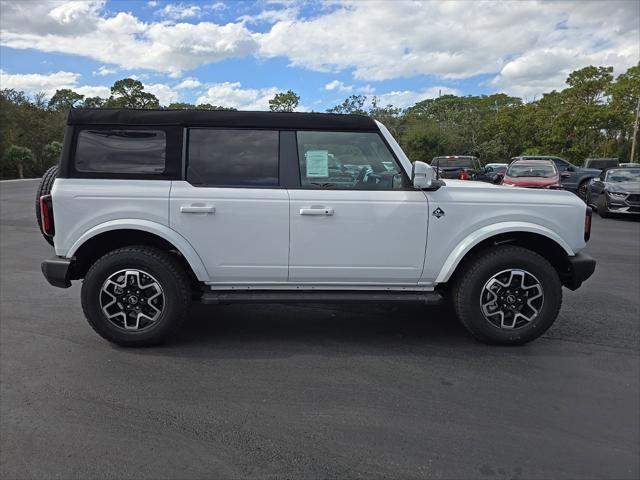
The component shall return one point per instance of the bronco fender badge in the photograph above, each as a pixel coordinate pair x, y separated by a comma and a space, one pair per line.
438, 212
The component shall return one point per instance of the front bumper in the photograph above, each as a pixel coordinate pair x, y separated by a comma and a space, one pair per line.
580, 267
58, 271
627, 205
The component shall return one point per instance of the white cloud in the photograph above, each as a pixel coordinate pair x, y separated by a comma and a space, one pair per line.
152, 3
122, 39
93, 91
217, 6
374, 40
339, 86
179, 11
408, 98
48, 83
231, 94
103, 71
385, 40
163, 93
188, 83
70, 12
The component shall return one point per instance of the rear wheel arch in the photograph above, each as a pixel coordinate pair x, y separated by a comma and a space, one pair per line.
98, 245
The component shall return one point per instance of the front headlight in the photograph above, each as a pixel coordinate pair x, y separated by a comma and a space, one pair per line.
618, 195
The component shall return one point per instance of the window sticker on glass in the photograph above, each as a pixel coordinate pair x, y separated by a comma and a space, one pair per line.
317, 163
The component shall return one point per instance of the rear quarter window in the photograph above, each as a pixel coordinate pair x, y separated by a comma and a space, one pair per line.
121, 151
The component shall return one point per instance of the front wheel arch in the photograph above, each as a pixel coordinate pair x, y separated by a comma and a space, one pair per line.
544, 246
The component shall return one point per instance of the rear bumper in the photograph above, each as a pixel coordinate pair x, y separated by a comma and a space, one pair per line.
57, 271
580, 268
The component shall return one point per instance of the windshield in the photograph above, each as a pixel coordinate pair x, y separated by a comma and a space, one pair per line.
631, 175
453, 162
541, 170
602, 163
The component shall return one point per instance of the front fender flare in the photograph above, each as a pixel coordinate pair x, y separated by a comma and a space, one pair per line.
463, 247
162, 231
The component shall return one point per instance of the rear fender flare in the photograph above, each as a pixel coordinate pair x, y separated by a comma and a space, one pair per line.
162, 231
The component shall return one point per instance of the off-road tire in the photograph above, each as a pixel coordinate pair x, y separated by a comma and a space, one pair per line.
472, 279
169, 273
45, 189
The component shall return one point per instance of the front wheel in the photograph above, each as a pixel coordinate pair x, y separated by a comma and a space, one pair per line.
507, 295
136, 296
582, 190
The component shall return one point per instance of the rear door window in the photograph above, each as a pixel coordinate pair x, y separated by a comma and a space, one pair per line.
121, 151
233, 158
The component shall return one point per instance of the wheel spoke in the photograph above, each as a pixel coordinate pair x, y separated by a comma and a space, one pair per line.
132, 299
511, 299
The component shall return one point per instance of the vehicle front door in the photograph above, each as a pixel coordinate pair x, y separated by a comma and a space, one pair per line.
354, 218
230, 206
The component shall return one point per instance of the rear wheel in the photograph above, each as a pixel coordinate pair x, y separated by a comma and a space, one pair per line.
45, 189
508, 295
136, 296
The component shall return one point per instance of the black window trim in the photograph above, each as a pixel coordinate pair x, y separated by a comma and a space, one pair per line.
406, 181
173, 140
279, 186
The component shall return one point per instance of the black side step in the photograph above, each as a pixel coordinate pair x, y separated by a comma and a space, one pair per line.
314, 296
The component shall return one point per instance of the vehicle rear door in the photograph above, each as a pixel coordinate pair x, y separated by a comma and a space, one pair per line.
231, 207
355, 221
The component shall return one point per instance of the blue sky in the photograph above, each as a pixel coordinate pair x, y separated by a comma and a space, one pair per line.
240, 53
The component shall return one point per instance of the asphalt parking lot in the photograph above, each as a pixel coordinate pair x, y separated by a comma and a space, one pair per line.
317, 392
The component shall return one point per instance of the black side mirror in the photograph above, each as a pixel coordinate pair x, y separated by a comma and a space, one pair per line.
571, 168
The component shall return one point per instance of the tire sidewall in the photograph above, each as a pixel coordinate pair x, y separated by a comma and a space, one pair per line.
169, 319
551, 287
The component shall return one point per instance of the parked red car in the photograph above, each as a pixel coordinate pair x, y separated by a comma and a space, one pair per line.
532, 174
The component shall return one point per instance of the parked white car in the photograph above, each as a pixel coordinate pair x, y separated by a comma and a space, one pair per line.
153, 209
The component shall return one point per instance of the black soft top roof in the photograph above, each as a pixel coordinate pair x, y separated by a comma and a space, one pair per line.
221, 118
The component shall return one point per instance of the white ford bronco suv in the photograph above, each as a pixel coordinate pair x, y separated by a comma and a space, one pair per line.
154, 209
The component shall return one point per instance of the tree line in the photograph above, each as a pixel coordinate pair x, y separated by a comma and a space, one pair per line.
593, 116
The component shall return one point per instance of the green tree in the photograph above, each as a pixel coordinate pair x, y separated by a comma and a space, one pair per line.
93, 102
64, 100
354, 104
129, 93
17, 160
284, 102
51, 154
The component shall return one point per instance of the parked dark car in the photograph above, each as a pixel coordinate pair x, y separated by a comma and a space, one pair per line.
532, 174
601, 163
492, 172
616, 190
463, 167
573, 178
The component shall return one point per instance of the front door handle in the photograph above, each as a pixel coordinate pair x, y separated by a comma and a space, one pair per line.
327, 212
197, 209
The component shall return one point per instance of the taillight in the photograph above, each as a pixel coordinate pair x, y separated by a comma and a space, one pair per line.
587, 224
463, 175
46, 214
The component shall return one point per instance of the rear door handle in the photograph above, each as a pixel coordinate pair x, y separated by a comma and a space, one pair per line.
327, 212
197, 209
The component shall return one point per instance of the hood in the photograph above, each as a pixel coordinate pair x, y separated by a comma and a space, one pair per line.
628, 187
531, 181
